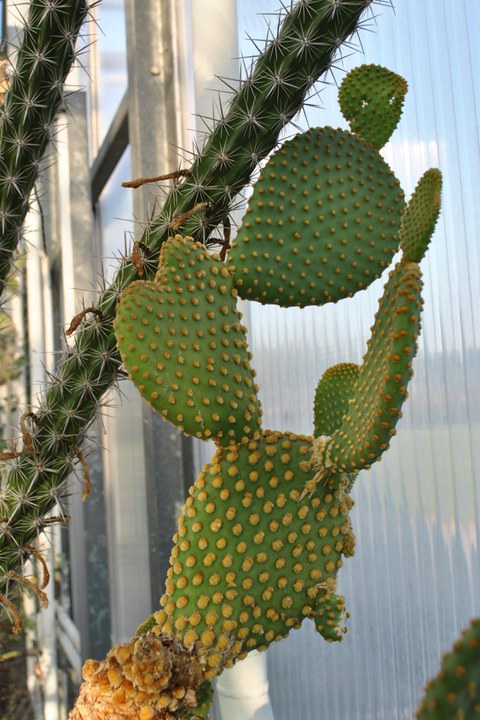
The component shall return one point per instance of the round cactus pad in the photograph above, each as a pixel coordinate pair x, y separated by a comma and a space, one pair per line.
371, 99
183, 345
322, 223
252, 559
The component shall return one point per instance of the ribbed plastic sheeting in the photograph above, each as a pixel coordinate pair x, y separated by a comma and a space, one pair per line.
415, 579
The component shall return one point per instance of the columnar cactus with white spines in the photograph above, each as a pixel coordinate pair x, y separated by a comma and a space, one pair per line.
31, 104
266, 526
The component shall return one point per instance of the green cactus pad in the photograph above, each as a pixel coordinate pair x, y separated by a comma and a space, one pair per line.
455, 693
333, 393
421, 215
371, 100
251, 558
183, 345
322, 223
381, 388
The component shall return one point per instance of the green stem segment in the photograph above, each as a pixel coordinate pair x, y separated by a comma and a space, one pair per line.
32, 102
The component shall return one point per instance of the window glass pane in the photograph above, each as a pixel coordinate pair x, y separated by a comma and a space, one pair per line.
111, 76
115, 216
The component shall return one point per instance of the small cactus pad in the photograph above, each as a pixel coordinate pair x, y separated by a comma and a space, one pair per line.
371, 100
183, 345
333, 393
381, 388
322, 223
421, 215
251, 559
455, 693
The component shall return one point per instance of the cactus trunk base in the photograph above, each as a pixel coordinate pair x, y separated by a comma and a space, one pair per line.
152, 677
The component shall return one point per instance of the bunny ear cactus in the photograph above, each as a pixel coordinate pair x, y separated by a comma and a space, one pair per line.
266, 526
332, 396
260, 541
455, 692
303, 49
251, 560
374, 407
421, 215
324, 217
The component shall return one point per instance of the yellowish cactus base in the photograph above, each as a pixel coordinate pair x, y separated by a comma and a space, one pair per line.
148, 678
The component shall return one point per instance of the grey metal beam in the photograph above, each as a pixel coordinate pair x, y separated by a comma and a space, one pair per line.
111, 150
91, 602
152, 120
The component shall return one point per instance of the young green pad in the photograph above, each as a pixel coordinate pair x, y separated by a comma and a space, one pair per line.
183, 345
421, 215
455, 692
334, 391
322, 223
371, 100
251, 558
381, 388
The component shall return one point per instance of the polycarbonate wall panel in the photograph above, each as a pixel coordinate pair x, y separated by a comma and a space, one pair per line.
415, 579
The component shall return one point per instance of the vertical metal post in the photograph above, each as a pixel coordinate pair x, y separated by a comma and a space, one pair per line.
39, 333
90, 588
153, 104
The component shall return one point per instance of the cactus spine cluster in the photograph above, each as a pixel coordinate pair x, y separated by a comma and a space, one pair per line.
266, 526
31, 104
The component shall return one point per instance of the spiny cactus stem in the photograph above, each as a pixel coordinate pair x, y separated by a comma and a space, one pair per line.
31, 104
284, 74
237, 143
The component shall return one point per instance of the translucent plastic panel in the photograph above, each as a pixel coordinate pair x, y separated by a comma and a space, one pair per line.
415, 580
